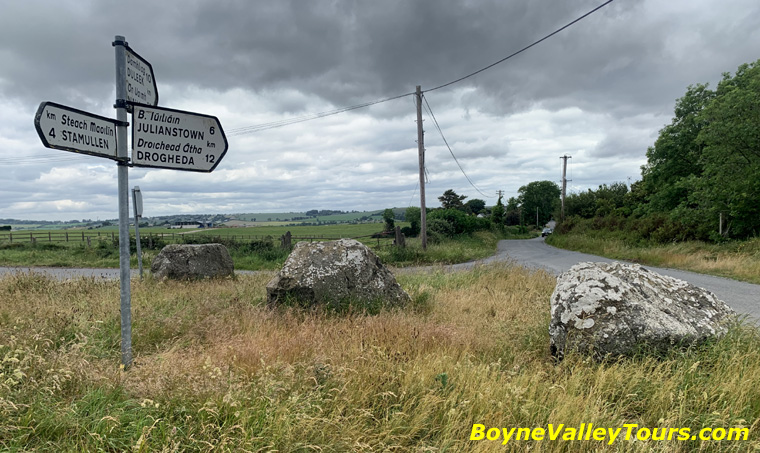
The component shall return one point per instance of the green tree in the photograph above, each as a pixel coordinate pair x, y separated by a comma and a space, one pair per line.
475, 206
676, 155
538, 197
731, 156
413, 215
512, 212
450, 200
389, 218
497, 213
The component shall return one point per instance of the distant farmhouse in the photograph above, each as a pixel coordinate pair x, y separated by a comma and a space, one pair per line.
192, 224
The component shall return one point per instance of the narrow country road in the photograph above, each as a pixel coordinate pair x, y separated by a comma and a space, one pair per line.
744, 298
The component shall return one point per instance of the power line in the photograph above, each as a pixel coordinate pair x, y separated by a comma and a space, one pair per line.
33, 160
301, 119
430, 111
524, 48
414, 192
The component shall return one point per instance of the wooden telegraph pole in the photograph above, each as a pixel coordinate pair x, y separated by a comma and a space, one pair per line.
421, 152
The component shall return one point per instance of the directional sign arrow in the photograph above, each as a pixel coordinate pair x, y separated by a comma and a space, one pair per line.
70, 129
140, 80
168, 138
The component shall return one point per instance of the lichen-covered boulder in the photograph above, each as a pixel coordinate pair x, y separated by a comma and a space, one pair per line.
192, 261
604, 309
335, 271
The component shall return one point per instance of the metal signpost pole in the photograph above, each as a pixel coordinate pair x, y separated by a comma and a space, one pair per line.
202, 142
138, 213
121, 153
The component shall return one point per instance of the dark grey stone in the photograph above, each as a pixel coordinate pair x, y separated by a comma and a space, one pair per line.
192, 261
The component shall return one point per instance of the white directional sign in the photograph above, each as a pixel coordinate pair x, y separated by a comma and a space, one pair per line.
141, 82
168, 138
70, 129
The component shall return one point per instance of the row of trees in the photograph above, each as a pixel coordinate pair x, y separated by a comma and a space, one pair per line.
701, 180
702, 177
536, 201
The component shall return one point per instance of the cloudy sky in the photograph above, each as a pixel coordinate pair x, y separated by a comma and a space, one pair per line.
598, 91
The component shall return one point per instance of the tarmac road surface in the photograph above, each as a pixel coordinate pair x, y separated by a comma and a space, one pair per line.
743, 297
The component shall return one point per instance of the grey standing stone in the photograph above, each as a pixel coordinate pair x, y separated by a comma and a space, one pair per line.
605, 309
325, 272
192, 261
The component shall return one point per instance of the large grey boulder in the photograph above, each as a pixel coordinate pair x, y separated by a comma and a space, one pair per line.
335, 271
192, 261
614, 309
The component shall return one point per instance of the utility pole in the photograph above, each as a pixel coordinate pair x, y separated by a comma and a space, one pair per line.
500, 193
564, 183
421, 152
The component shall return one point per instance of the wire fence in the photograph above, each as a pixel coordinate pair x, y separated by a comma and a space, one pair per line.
88, 237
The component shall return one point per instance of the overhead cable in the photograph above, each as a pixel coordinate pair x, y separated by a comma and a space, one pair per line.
437, 126
301, 119
524, 48
286, 122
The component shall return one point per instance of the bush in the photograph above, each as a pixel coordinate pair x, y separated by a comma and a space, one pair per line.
459, 222
440, 228
412, 215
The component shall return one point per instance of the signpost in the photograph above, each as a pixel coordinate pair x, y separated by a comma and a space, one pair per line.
161, 138
168, 138
140, 80
74, 130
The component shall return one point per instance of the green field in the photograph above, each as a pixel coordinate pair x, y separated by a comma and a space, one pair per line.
276, 230
288, 217
251, 248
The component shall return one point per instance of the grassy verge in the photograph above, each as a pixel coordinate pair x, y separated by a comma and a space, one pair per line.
249, 254
465, 248
216, 370
737, 260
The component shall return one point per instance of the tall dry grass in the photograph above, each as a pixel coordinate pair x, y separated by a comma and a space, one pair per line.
738, 260
216, 370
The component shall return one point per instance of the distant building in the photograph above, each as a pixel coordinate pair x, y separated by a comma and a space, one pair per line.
192, 224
